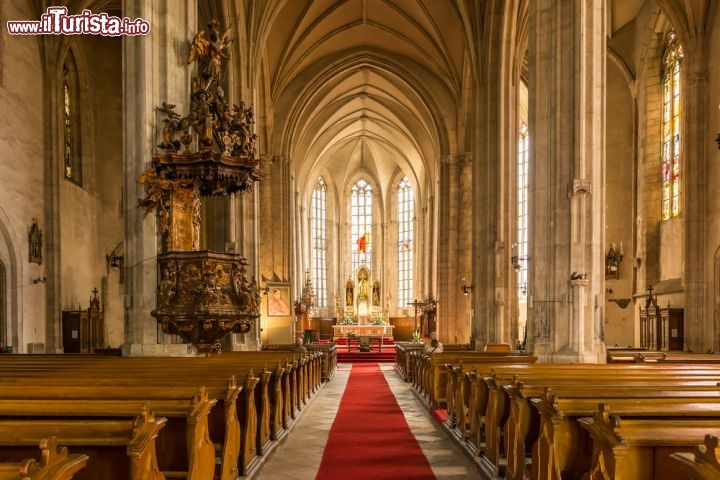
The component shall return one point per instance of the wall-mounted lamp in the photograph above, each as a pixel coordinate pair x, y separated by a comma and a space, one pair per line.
612, 261
516, 259
114, 260
465, 287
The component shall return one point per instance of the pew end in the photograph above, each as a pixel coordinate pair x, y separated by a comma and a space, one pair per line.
54, 464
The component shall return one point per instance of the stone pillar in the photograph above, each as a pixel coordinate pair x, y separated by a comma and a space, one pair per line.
698, 322
494, 133
455, 247
155, 71
567, 179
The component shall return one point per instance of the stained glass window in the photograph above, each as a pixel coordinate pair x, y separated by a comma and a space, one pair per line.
671, 118
406, 234
520, 250
319, 242
361, 214
72, 164
68, 154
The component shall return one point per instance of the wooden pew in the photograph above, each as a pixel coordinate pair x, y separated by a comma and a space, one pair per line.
522, 427
432, 370
54, 464
641, 448
492, 405
507, 412
329, 358
403, 358
185, 445
187, 407
127, 444
702, 463
256, 439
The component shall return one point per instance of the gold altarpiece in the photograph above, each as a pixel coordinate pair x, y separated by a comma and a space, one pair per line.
202, 295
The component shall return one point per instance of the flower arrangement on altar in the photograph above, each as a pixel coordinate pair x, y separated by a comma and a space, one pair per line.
378, 319
347, 320
416, 337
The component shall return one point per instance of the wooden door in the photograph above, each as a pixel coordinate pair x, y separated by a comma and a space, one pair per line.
71, 331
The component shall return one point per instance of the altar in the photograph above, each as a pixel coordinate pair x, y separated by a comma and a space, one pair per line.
385, 331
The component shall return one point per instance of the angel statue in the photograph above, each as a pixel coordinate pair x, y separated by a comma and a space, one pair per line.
210, 51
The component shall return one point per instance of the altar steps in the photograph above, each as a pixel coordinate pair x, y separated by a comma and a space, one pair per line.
343, 356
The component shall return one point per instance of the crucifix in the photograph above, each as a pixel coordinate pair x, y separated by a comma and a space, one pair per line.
419, 304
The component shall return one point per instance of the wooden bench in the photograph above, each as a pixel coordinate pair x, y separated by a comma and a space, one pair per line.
702, 463
507, 416
482, 428
54, 464
641, 448
118, 448
431, 371
403, 358
265, 411
188, 407
184, 445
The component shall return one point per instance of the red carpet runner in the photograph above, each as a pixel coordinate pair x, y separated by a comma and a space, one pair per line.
370, 439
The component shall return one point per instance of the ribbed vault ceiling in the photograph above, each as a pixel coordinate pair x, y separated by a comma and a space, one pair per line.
373, 85
365, 84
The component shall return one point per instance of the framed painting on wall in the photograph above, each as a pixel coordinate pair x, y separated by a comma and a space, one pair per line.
278, 300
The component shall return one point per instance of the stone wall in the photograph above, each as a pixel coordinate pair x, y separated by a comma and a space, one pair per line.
22, 180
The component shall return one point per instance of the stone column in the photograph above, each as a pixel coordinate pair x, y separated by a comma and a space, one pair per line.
567, 179
455, 247
494, 133
155, 71
698, 321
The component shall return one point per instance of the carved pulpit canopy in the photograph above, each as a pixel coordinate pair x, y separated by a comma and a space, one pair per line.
202, 296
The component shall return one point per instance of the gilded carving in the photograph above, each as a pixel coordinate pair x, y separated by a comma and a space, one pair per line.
202, 295
168, 283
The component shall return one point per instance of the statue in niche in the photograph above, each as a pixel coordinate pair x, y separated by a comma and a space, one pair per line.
35, 243
376, 294
349, 293
363, 284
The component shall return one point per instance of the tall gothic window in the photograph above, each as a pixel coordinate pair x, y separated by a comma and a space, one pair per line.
318, 228
361, 214
520, 252
672, 110
72, 158
406, 234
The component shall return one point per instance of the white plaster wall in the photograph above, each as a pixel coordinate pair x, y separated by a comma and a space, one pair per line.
22, 173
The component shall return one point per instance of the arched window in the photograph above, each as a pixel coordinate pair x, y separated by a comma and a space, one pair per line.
72, 154
406, 237
361, 214
671, 129
520, 251
318, 227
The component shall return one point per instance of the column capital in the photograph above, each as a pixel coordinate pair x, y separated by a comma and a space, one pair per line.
581, 186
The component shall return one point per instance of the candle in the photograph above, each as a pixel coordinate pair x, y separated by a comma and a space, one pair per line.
621, 249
